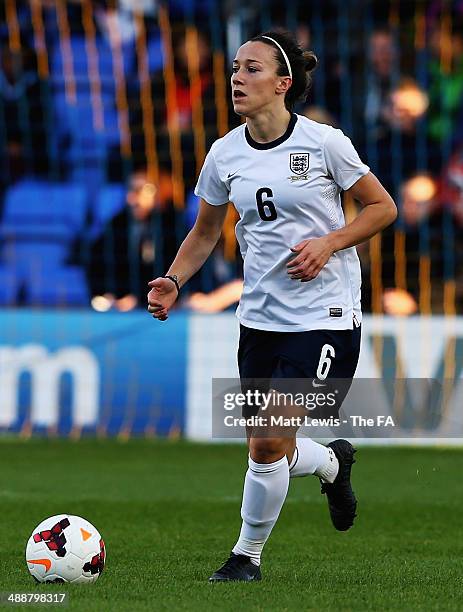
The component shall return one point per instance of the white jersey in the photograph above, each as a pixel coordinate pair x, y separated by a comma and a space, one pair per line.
287, 191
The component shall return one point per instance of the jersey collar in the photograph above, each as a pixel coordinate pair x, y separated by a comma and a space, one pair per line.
274, 143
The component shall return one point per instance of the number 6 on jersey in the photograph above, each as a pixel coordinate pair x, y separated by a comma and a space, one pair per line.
270, 214
327, 354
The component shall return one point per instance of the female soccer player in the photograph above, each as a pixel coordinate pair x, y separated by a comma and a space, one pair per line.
300, 307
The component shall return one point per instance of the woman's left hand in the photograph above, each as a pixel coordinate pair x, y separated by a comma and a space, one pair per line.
312, 255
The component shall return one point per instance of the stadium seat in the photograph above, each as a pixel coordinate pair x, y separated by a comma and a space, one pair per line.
79, 50
40, 225
40, 286
65, 286
43, 212
76, 119
43, 286
10, 286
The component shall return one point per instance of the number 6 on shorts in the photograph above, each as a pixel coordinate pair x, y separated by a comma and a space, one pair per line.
326, 355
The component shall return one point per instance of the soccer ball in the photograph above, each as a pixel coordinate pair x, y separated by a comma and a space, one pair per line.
65, 548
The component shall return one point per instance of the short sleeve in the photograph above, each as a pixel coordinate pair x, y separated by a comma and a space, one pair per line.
209, 186
342, 160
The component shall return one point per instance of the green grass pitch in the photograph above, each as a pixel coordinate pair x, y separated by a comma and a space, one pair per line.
169, 514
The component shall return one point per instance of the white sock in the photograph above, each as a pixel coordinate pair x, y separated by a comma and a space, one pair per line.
313, 458
265, 489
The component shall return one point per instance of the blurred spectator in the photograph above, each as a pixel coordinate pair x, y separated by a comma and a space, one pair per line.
420, 217
24, 133
133, 245
445, 74
451, 191
372, 84
382, 59
395, 148
399, 303
418, 200
388, 112
406, 104
451, 199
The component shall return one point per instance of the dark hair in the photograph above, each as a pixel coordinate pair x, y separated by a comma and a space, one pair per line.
302, 63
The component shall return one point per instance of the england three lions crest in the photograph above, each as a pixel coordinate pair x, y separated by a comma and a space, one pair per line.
299, 165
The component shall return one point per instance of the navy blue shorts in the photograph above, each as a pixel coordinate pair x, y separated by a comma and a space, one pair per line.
320, 354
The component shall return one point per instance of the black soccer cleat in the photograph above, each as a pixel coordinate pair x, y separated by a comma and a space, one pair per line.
237, 567
341, 498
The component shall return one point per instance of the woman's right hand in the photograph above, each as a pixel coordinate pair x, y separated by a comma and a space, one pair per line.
161, 297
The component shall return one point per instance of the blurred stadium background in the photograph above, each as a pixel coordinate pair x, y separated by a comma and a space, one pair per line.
107, 109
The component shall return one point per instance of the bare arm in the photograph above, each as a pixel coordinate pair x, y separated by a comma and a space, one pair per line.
379, 211
192, 254
200, 241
